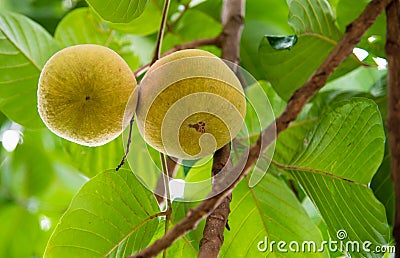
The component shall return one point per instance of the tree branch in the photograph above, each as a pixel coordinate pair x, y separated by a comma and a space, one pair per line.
213, 233
392, 49
295, 104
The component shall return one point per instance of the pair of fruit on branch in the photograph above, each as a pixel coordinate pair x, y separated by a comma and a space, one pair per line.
188, 104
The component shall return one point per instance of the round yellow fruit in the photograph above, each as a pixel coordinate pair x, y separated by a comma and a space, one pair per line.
83, 92
190, 104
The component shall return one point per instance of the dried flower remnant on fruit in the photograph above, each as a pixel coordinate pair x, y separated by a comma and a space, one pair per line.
191, 104
199, 127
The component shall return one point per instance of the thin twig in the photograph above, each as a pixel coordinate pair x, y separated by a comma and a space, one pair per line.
168, 210
172, 168
157, 51
128, 144
155, 58
392, 48
295, 104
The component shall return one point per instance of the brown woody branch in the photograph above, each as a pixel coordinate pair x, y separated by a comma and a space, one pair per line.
392, 48
295, 104
213, 233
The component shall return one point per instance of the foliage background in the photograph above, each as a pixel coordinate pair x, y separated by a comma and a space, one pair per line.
40, 177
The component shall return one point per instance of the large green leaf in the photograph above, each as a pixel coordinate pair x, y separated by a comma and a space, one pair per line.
268, 212
24, 49
122, 11
82, 26
109, 217
288, 69
335, 165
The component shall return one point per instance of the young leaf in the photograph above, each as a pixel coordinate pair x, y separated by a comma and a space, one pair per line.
24, 49
335, 165
111, 216
122, 11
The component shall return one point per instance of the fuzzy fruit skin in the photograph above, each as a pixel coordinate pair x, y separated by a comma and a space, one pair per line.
190, 104
83, 92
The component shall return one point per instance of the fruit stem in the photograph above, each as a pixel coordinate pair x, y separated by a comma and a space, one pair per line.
128, 144
168, 211
157, 51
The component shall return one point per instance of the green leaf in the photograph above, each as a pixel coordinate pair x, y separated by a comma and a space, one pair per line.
122, 11
313, 17
272, 213
287, 70
290, 139
24, 49
109, 217
335, 165
81, 26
